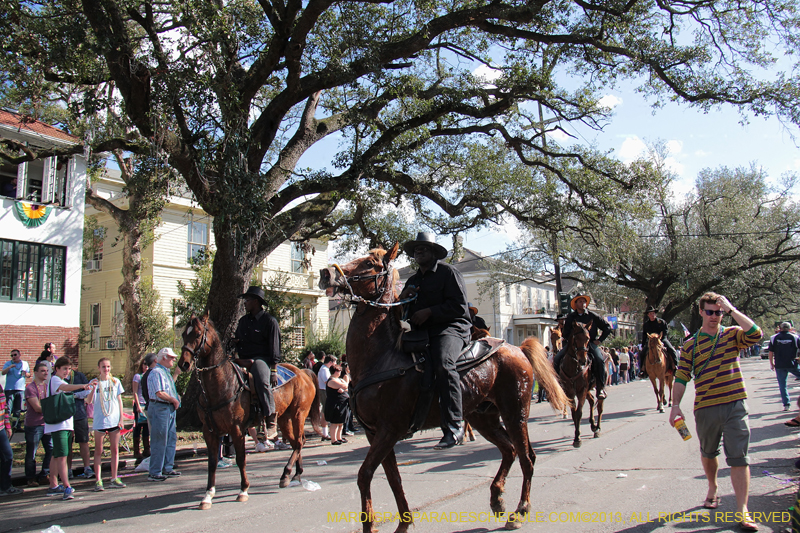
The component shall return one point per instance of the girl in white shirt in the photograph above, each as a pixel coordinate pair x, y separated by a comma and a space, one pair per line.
107, 400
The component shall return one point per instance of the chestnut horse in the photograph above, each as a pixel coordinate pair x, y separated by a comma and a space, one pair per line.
224, 404
385, 387
659, 368
578, 380
555, 339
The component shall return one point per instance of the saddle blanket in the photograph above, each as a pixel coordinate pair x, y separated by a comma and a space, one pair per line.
284, 375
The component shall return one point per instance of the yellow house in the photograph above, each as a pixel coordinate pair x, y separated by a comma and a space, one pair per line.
184, 230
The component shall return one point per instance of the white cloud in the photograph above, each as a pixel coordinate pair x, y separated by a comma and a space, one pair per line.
674, 165
559, 136
609, 101
674, 147
632, 148
701, 153
487, 74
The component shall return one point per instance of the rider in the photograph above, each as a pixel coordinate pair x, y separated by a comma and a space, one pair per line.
581, 314
258, 343
655, 325
441, 309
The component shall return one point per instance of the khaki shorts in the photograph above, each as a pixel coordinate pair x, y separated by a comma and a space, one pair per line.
728, 422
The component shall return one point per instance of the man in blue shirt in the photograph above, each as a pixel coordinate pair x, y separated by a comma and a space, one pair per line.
15, 372
783, 348
164, 401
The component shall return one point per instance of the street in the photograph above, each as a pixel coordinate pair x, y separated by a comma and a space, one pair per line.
639, 476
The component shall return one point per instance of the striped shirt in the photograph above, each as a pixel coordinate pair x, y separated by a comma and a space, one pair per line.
720, 381
6, 416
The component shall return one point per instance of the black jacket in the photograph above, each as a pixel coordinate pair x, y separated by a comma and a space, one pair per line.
259, 337
442, 289
587, 316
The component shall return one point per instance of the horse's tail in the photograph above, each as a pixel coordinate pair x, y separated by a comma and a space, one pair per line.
315, 413
545, 374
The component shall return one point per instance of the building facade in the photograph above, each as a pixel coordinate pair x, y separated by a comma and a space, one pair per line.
185, 229
41, 242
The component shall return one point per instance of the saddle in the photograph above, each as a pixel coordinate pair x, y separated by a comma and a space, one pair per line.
245, 379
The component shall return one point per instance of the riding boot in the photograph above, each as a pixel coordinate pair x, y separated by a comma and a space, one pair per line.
453, 436
272, 427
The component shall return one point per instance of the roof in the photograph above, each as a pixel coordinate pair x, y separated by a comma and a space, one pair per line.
24, 124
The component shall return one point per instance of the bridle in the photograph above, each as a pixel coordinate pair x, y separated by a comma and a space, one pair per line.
379, 289
200, 350
581, 366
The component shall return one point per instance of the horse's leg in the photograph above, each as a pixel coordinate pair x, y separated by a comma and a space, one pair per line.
393, 477
663, 401
652, 376
599, 416
577, 414
212, 444
489, 426
593, 424
241, 461
288, 429
380, 446
515, 418
670, 384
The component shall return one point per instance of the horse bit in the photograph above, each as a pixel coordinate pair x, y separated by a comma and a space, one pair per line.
380, 289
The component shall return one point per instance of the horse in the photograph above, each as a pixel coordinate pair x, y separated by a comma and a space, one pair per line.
577, 380
658, 368
556, 339
225, 402
385, 387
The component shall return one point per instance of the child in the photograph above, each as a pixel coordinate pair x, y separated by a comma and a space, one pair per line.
107, 400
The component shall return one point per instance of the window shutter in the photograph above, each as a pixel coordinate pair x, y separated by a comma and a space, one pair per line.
22, 180
69, 182
49, 180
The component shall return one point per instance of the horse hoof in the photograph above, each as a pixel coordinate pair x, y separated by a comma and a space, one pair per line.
284, 482
597, 434
205, 506
576, 444
243, 497
660, 409
513, 525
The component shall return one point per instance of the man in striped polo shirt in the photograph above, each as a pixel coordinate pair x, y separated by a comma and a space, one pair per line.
720, 410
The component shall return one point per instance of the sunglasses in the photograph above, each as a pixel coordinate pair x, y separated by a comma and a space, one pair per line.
718, 312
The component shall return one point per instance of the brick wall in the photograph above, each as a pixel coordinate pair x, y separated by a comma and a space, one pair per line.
30, 341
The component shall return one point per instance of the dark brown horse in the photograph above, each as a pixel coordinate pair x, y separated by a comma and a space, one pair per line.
578, 381
386, 387
659, 367
224, 404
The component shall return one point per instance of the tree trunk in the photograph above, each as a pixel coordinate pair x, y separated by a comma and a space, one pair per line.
131, 302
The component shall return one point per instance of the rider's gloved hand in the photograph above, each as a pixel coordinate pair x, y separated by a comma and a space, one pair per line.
273, 378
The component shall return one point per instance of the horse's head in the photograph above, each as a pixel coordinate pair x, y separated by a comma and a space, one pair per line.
654, 341
579, 340
198, 337
369, 277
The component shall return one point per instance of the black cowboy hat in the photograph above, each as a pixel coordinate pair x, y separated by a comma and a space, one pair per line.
561, 316
425, 237
255, 292
650, 309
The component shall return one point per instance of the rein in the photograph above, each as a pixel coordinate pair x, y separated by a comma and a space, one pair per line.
380, 290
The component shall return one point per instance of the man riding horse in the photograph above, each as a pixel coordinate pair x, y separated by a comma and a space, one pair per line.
581, 314
258, 343
441, 309
659, 326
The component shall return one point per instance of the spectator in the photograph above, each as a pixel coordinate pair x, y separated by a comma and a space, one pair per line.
349, 426
60, 432
6, 455
323, 376
141, 433
624, 361
49, 356
336, 403
15, 371
320, 361
783, 348
34, 428
164, 401
308, 362
80, 422
107, 399
615, 363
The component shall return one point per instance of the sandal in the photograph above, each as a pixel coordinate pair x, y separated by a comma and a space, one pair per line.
793, 423
711, 503
748, 526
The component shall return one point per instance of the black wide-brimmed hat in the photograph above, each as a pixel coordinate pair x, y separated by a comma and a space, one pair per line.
255, 292
561, 316
425, 237
650, 309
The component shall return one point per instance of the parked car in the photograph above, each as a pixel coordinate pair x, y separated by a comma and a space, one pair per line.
765, 350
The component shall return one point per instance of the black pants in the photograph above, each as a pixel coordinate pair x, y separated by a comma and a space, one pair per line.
670, 351
444, 350
598, 365
260, 371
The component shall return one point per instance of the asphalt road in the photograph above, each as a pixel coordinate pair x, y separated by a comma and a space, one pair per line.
639, 476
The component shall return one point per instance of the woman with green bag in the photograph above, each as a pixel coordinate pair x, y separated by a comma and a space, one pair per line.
59, 432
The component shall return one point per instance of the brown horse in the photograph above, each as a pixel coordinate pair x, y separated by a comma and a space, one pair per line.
556, 339
578, 381
224, 404
658, 368
386, 387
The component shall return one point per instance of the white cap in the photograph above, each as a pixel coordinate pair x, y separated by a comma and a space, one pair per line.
166, 352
